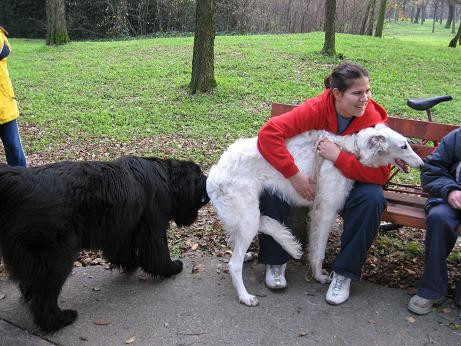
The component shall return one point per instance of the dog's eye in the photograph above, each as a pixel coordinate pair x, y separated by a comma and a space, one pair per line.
404, 146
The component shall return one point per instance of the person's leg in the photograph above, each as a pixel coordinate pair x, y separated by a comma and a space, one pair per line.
362, 214
270, 252
9, 134
441, 236
441, 224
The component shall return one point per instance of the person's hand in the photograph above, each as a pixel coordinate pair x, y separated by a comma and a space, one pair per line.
302, 184
328, 150
454, 199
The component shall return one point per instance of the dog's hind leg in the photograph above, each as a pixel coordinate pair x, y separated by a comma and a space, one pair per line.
44, 294
241, 222
245, 233
321, 222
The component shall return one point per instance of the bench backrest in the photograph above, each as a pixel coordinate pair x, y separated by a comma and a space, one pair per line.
424, 131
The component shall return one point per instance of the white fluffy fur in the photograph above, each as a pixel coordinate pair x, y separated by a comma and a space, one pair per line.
236, 182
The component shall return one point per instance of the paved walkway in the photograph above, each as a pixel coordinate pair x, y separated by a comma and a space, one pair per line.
202, 308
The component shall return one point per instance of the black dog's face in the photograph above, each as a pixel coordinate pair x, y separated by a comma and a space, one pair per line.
189, 190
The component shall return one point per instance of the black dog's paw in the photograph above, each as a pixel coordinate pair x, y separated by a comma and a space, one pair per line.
53, 323
26, 293
175, 268
178, 264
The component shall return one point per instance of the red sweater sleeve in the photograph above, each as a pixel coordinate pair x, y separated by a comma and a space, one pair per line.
272, 136
351, 168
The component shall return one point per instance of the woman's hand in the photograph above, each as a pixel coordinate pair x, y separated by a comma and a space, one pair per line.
302, 184
454, 199
328, 150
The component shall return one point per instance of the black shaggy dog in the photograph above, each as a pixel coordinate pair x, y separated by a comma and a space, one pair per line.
49, 213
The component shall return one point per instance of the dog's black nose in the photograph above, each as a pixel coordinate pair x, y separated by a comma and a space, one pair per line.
205, 198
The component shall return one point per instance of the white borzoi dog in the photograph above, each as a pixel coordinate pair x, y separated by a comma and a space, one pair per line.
234, 186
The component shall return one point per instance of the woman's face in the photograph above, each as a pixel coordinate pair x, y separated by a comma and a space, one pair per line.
353, 101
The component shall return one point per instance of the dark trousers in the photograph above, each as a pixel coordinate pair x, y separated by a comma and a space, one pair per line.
441, 236
9, 134
361, 213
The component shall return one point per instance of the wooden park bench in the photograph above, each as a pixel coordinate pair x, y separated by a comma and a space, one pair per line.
406, 202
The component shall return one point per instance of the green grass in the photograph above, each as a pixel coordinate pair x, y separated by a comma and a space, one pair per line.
138, 88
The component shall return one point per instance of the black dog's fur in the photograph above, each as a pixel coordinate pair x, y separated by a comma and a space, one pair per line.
49, 213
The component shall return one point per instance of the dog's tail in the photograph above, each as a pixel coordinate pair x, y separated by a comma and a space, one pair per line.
281, 235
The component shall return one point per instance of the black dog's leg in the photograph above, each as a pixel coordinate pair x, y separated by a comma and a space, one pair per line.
26, 292
154, 255
44, 303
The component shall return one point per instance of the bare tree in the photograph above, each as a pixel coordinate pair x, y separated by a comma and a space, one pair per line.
56, 29
330, 19
368, 17
436, 4
120, 12
380, 23
457, 38
451, 12
203, 58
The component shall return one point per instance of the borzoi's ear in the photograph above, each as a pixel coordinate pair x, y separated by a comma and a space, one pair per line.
377, 143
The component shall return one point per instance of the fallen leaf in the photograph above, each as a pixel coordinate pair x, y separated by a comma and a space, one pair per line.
194, 246
83, 338
2, 296
196, 268
454, 326
302, 334
130, 340
410, 319
372, 322
101, 322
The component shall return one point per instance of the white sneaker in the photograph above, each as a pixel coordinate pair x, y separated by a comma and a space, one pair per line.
275, 276
338, 292
422, 306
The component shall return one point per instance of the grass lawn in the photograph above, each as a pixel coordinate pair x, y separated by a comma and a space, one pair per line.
131, 90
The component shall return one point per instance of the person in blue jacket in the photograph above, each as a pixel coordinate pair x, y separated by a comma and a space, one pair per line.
441, 179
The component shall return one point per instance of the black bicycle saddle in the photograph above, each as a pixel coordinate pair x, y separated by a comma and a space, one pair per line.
422, 104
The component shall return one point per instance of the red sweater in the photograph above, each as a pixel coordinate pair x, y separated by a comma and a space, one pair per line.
319, 113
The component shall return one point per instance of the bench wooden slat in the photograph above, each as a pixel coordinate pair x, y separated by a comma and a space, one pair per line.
422, 150
420, 128
404, 198
405, 215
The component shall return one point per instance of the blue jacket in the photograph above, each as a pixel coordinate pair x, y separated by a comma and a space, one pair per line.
441, 171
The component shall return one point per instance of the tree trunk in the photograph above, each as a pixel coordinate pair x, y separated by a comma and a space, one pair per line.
371, 22
436, 4
365, 18
203, 58
453, 22
56, 29
418, 12
451, 11
121, 24
330, 18
457, 38
380, 23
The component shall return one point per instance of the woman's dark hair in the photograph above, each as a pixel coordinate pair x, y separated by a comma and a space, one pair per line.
343, 75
